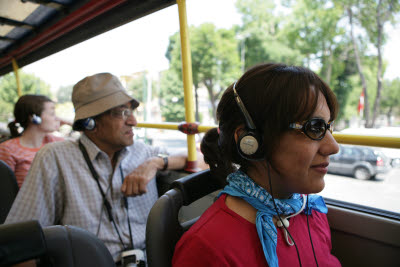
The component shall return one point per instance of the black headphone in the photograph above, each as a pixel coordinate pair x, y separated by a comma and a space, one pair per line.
36, 119
249, 144
84, 124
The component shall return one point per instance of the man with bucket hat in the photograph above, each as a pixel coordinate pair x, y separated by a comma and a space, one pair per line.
103, 182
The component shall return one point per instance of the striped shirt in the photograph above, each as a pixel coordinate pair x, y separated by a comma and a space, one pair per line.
19, 158
60, 189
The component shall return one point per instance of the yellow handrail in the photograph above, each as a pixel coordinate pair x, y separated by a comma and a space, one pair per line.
364, 140
166, 126
172, 126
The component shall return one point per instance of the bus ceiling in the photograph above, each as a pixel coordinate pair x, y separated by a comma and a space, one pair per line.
34, 29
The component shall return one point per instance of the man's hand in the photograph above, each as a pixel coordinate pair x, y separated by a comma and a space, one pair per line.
136, 182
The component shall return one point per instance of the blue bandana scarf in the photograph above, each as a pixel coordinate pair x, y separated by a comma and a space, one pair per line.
240, 185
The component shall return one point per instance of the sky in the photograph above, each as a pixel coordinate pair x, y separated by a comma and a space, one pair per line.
136, 46
141, 45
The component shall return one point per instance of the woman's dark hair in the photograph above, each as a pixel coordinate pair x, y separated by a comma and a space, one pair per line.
26, 106
275, 95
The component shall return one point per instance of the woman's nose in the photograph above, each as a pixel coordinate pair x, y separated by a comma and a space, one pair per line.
330, 146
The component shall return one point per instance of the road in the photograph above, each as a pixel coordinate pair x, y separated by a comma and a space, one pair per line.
382, 193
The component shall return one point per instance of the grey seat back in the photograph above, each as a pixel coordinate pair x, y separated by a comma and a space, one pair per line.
8, 190
58, 246
20, 242
163, 226
71, 246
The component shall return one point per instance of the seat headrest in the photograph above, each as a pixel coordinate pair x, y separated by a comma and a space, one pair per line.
20, 242
71, 246
196, 185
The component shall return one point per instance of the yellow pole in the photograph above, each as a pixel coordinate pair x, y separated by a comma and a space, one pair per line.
166, 126
365, 140
187, 81
15, 67
352, 139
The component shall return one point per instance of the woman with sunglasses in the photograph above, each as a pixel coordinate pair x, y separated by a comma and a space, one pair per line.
271, 150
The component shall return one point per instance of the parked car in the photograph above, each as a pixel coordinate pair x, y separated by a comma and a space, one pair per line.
361, 162
395, 163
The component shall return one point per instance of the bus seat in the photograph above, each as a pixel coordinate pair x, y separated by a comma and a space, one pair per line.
72, 246
166, 178
163, 226
8, 190
20, 242
56, 246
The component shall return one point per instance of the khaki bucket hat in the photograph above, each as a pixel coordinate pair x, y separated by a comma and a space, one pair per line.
98, 93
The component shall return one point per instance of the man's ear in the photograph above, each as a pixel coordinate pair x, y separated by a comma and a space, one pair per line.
98, 123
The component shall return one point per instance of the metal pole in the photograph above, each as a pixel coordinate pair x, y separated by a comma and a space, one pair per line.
16, 72
187, 82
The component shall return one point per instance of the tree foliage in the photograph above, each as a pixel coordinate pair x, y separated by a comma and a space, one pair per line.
390, 104
215, 60
316, 34
171, 95
30, 84
138, 86
64, 94
262, 37
369, 17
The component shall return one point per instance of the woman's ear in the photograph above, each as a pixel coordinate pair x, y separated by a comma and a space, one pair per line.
238, 132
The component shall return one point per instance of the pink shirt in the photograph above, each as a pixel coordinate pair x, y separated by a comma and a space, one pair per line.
223, 238
19, 158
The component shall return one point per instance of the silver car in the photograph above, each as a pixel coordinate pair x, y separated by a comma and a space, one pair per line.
361, 162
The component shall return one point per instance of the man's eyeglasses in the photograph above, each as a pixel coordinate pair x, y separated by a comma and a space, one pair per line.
121, 113
314, 128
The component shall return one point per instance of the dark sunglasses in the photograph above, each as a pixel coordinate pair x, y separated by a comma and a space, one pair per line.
314, 128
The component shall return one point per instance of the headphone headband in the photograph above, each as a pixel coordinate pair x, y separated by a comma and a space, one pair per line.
247, 118
249, 142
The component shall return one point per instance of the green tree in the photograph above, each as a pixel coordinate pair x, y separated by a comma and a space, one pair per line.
303, 32
64, 94
261, 36
334, 37
215, 60
137, 86
171, 97
370, 16
390, 104
314, 29
342, 84
30, 84
373, 16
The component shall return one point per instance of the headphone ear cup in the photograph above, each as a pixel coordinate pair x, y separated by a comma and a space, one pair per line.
36, 119
89, 124
248, 143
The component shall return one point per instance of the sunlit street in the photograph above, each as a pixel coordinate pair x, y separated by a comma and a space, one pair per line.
382, 193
